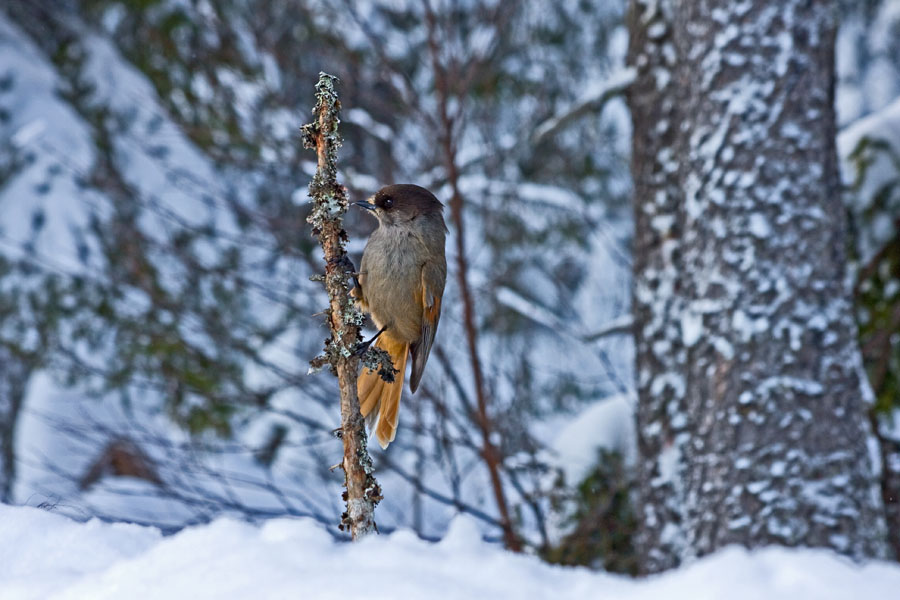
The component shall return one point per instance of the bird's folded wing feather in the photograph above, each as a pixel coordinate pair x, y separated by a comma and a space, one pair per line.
433, 276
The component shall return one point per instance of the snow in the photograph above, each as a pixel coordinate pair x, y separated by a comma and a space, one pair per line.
691, 328
364, 120
884, 124
27, 133
759, 226
592, 100
609, 424
885, 26
46, 556
867, 185
53, 140
44, 552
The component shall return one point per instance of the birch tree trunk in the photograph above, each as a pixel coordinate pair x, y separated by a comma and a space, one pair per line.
751, 419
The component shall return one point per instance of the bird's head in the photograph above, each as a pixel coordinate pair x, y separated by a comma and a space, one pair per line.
400, 203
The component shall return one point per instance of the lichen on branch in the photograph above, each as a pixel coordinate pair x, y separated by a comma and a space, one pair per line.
329, 203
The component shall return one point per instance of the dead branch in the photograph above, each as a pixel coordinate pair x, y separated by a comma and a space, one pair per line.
344, 319
489, 452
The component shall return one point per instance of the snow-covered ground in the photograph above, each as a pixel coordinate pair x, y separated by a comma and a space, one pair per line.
47, 556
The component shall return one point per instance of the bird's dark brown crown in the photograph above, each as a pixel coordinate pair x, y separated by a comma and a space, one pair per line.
407, 198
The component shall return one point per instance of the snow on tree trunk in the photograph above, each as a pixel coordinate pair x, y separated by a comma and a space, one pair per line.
656, 302
751, 418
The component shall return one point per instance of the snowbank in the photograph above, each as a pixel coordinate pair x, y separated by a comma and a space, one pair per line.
47, 556
608, 424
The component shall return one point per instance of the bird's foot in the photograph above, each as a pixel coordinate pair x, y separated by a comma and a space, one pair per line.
364, 346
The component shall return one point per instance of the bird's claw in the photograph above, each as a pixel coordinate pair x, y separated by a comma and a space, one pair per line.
344, 263
363, 346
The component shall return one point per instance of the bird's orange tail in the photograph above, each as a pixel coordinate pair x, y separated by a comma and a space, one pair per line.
380, 400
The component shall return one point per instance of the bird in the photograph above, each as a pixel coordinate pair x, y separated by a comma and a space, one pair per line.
400, 285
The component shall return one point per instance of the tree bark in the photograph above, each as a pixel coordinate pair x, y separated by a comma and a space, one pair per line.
327, 215
14, 374
656, 302
890, 483
752, 414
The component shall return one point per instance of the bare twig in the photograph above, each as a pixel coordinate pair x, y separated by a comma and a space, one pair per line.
490, 453
616, 85
621, 325
327, 215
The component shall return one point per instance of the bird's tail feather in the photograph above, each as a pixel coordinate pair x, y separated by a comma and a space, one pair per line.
379, 400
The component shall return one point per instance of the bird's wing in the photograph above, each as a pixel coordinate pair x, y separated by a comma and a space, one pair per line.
434, 274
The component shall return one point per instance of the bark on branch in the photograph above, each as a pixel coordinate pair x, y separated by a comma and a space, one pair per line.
345, 320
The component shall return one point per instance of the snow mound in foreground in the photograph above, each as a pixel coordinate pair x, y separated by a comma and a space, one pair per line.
44, 556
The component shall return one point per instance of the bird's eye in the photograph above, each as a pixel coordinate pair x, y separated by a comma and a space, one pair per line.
388, 202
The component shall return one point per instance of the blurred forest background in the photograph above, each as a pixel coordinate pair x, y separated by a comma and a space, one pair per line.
156, 310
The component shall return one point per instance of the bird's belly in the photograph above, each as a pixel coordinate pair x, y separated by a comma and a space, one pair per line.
390, 276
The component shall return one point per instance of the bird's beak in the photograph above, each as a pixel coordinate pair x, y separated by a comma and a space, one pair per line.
366, 204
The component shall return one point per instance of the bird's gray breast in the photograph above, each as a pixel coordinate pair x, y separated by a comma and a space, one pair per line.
390, 275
